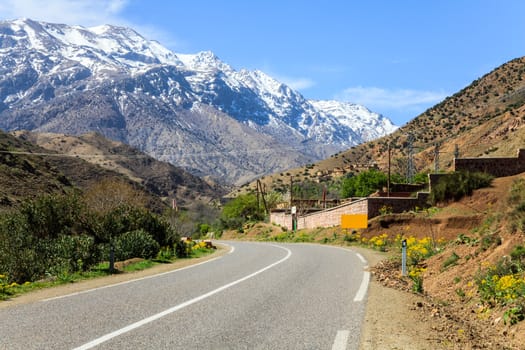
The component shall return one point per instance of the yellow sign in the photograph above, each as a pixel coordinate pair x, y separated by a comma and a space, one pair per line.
354, 221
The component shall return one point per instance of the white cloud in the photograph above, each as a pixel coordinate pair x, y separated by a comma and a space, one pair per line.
297, 83
398, 105
379, 98
81, 12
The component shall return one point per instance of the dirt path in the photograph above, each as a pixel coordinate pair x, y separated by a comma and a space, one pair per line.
392, 316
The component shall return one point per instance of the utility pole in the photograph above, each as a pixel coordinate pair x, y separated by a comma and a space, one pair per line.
410, 162
388, 179
262, 191
291, 191
456, 151
436, 157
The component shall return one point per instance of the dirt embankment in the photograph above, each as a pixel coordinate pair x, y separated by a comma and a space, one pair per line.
449, 313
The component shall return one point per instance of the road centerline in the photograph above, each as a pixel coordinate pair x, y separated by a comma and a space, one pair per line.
175, 308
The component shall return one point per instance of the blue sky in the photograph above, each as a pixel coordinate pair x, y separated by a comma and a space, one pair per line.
396, 57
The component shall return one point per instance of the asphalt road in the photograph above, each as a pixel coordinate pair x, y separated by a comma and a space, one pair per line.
259, 296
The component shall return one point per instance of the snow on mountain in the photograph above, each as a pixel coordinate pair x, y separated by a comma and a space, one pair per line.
62, 78
369, 125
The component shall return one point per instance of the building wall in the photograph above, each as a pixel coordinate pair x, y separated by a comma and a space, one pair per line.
325, 218
496, 166
372, 207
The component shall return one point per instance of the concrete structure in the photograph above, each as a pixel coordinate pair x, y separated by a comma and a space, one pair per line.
373, 206
496, 166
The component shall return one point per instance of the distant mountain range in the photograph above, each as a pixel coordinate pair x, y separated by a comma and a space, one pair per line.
193, 111
484, 119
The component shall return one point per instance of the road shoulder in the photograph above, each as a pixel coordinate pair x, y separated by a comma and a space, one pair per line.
81, 286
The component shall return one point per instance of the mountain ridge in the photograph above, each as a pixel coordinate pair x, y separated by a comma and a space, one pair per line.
484, 119
71, 79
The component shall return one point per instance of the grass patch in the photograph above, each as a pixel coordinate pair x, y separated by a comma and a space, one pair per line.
450, 261
8, 291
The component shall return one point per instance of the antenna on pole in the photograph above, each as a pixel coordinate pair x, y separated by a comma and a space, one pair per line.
388, 178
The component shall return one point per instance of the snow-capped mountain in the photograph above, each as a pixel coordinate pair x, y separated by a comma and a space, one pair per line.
194, 111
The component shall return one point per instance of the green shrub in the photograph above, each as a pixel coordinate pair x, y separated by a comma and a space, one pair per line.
78, 253
18, 256
56, 235
451, 260
183, 248
136, 244
52, 215
127, 218
457, 185
241, 210
165, 254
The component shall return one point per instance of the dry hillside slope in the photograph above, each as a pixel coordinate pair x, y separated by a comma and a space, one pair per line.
28, 171
486, 118
163, 179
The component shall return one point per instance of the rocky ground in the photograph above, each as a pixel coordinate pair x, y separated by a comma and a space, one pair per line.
397, 318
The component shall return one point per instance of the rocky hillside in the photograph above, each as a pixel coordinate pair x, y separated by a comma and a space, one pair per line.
161, 179
486, 118
194, 111
28, 171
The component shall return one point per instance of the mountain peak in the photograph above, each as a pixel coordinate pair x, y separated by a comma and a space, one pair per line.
192, 110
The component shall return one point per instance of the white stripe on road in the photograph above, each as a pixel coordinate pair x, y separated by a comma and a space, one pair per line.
361, 293
363, 287
341, 339
155, 317
363, 260
130, 281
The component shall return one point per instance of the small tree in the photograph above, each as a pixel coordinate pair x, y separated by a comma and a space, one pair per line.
240, 210
458, 184
363, 184
108, 195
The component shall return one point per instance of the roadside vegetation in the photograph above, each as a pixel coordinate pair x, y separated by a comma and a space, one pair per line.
498, 286
502, 284
56, 239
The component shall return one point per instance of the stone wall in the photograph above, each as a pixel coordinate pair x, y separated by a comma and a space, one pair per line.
332, 217
497, 166
372, 206
396, 204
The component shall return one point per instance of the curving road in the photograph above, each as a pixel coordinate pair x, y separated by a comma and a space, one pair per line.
259, 296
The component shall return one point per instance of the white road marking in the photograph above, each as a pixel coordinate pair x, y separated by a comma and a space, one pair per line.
363, 287
130, 281
363, 260
155, 317
341, 340
361, 293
